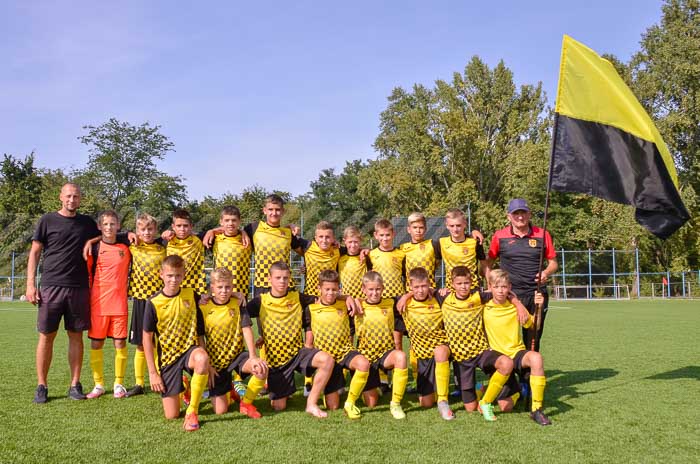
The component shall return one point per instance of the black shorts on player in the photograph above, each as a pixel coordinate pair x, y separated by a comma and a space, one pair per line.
512, 386
222, 382
171, 375
337, 379
70, 303
280, 380
374, 381
465, 371
138, 307
425, 380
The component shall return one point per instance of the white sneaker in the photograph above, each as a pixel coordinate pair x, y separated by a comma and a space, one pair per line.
445, 411
96, 392
119, 390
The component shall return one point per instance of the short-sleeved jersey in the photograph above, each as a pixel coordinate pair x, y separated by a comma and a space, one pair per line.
374, 329
230, 253
146, 259
464, 324
270, 244
351, 270
502, 328
466, 253
315, 261
108, 266
281, 324
330, 325
425, 327
520, 256
390, 265
191, 250
176, 322
420, 254
63, 239
223, 325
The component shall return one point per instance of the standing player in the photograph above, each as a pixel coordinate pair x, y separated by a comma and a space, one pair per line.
147, 255
172, 316
460, 250
231, 251
108, 266
419, 251
320, 254
352, 265
190, 248
374, 328
64, 291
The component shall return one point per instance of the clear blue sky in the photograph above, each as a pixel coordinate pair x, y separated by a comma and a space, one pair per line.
267, 93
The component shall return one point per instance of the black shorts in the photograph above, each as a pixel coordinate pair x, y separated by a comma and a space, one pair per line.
466, 372
400, 326
425, 380
374, 381
71, 303
280, 380
172, 374
512, 385
138, 307
222, 382
337, 379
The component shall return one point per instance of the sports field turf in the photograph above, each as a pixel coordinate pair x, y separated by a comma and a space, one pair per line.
623, 385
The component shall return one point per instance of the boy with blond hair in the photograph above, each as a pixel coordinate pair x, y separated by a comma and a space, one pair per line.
352, 265
459, 250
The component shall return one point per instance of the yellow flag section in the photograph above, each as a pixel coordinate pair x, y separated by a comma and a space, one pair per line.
606, 145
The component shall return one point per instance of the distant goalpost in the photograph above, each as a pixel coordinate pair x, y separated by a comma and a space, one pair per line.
591, 292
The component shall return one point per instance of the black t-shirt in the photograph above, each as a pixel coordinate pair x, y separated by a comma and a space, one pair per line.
63, 239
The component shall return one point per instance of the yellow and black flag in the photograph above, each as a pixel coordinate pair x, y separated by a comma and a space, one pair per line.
606, 145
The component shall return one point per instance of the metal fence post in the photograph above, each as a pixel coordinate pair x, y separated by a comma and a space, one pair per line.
668, 285
636, 270
614, 274
12, 278
590, 277
563, 270
683, 282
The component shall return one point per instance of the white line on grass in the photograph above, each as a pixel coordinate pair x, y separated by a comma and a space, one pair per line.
18, 310
560, 307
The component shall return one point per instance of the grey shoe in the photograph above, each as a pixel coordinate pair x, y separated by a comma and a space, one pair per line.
75, 392
41, 395
445, 411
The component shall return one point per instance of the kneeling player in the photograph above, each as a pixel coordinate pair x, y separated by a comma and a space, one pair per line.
462, 315
227, 327
280, 314
375, 340
504, 335
328, 328
172, 316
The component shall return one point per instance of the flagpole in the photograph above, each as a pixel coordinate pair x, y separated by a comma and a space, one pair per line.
538, 309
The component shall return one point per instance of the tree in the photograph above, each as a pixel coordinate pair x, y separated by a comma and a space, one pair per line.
20, 186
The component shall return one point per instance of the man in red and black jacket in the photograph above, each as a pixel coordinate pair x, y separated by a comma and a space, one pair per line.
517, 247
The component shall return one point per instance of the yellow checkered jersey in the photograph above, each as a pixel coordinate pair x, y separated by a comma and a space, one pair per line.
223, 331
502, 328
176, 323
144, 280
375, 329
330, 325
464, 325
270, 244
466, 253
420, 254
351, 270
390, 265
315, 261
425, 327
230, 253
281, 324
191, 250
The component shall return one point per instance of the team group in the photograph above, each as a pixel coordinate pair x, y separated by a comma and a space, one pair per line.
356, 307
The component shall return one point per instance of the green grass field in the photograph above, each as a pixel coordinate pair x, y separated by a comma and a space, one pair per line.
623, 386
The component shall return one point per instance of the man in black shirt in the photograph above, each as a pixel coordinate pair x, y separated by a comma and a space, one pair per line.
64, 291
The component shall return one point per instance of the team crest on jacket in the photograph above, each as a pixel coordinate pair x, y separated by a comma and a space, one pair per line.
422, 246
290, 306
465, 251
532, 242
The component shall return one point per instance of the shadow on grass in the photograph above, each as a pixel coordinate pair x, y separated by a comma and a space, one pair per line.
688, 372
563, 386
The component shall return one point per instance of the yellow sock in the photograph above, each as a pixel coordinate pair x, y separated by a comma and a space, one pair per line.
537, 383
254, 386
442, 380
495, 386
357, 384
120, 355
140, 367
236, 377
398, 388
515, 397
414, 362
97, 363
198, 384
308, 380
383, 378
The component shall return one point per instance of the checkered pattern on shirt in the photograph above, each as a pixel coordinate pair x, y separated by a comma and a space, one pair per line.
420, 255
176, 330
459, 254
315, 261
230, 253
330, 325
144, 280
271, 244
375, 329
351, 270
281, 323
423, 321
222, 329
464, 325
191, 250
390, 265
